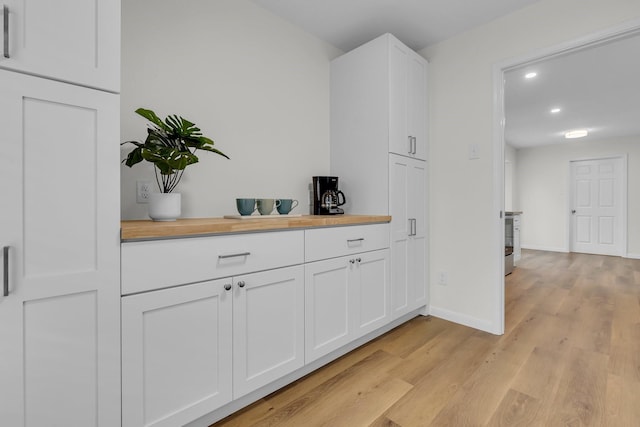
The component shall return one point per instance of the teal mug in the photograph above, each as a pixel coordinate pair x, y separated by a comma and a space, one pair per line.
286, 206
246, 206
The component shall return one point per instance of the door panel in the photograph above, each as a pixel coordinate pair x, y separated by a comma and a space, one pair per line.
597, 206
60, 216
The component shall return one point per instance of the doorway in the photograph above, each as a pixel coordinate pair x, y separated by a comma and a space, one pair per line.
624, 31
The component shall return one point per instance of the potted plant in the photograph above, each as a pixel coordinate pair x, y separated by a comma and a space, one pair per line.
170, 145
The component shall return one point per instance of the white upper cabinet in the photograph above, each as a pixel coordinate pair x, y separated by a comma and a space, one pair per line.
76, 41
379, 98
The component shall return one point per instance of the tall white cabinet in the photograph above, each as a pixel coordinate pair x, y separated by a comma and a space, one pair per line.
379, 152
59, 216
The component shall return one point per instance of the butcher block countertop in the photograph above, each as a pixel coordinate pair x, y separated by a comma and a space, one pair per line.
190, 227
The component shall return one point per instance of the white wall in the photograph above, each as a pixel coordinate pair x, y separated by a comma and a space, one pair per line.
255, 84
543, 190
464, 221
510, 166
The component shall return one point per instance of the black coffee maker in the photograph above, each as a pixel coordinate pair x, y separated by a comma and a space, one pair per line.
326, 196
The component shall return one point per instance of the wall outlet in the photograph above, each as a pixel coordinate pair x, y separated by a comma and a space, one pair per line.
474, 152
443, 278
143, 188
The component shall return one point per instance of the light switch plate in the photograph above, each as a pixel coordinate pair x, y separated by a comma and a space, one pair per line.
474, 152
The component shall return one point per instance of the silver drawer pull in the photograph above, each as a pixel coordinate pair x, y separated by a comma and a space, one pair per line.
355, 240
234, 255
5, 26
5, 256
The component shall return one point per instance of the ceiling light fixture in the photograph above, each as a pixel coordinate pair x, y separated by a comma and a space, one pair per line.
530, 75
580, 133
555, 110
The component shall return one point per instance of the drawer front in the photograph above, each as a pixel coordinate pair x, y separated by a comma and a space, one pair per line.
324, 243
163, 263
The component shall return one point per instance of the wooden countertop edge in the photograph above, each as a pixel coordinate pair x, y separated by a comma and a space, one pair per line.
191, 227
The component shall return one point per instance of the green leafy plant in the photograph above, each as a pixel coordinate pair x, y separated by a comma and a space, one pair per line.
170, 145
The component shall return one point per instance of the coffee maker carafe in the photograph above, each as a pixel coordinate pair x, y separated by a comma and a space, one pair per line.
326, 196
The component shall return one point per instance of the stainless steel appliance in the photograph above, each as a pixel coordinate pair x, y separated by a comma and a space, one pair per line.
326, 196
508, 244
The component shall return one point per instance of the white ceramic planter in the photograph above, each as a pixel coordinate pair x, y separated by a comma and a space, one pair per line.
165, 206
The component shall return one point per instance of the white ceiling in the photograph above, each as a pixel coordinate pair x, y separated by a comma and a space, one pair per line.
346, 24
596, 88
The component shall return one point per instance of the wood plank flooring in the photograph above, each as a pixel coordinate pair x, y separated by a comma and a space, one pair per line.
570, 356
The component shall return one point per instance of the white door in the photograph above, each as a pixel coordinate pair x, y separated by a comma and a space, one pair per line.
60, 219
268, 327
73, 40
176, 353
597, 202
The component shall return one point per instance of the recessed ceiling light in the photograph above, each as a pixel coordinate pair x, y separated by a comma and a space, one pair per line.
530, 75
576, 134
555, 110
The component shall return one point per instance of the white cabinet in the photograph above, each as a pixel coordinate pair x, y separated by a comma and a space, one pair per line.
176, 353
268, 327
60, 219
345, 298
379, 117
409, 256
407, 99
73, 40
224, 338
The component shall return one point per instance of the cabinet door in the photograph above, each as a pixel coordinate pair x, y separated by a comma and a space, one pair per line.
408, 208
417, 104
73, 40
268, 327
176, 354
373, 288
399, 196
418, 255
328, 307
399, 141
60, 219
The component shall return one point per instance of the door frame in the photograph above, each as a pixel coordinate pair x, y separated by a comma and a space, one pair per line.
622, 242
619, 31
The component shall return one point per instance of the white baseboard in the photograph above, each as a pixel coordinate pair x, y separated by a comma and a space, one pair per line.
463, 319
545, 248
633, 256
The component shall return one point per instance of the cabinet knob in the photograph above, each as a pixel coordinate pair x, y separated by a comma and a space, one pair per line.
227, 286
359, 259
352, 261
241, 283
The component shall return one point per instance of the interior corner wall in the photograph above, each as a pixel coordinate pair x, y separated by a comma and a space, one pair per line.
543, 189
254, 83
510, 165
463, 217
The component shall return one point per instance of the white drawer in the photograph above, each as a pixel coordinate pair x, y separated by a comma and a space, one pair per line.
159, 264
323, 243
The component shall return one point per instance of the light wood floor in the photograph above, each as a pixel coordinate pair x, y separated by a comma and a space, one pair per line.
570, 356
